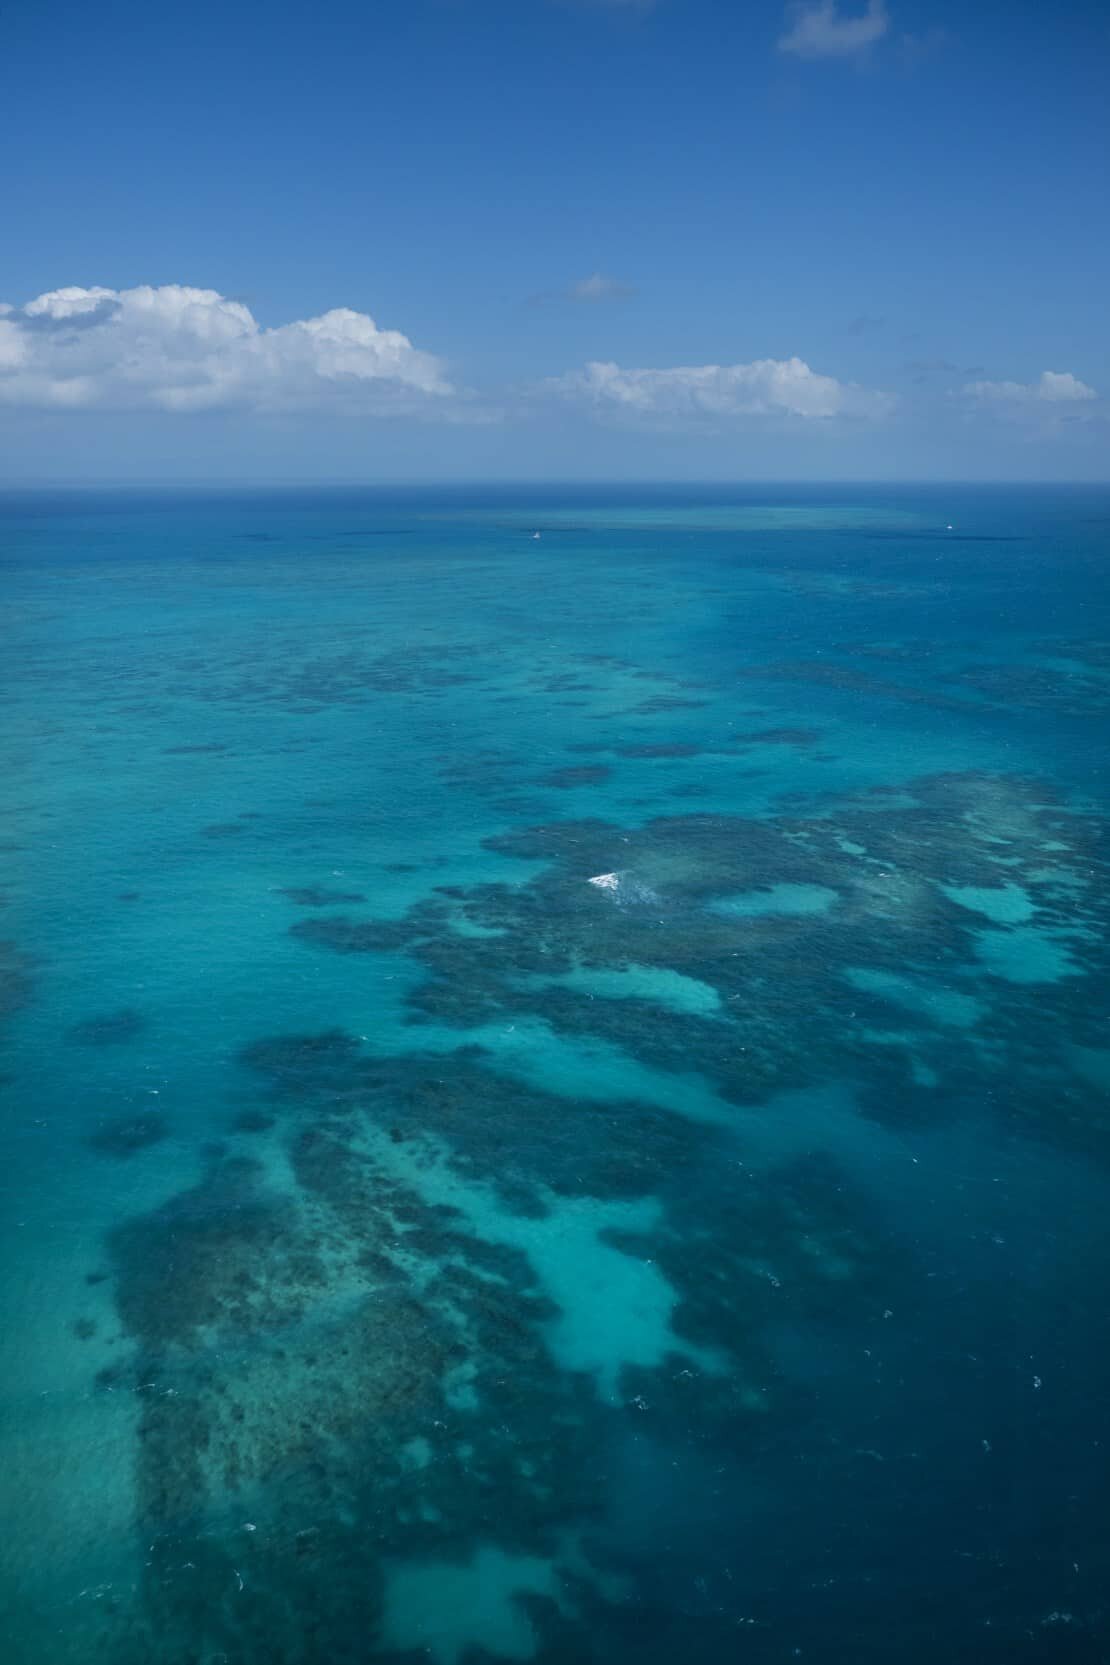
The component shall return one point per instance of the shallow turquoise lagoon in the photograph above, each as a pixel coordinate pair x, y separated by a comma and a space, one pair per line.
555, 1090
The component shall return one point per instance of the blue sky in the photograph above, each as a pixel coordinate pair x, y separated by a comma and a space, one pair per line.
556, 239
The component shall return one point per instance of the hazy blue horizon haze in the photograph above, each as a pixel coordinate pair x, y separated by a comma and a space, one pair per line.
555, 833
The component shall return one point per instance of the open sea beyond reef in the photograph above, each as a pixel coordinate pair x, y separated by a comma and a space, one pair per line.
557, 1088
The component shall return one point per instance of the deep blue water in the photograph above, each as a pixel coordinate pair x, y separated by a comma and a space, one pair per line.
415, 1251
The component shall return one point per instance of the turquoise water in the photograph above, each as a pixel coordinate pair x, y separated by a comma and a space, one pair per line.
556, 1089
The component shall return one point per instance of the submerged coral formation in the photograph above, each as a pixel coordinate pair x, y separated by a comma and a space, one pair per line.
108, 1028
413, 1343
124, 1136
15, 979
817, 933
605, 1161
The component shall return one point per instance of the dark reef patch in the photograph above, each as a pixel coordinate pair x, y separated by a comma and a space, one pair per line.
211, 1260
363, 1369
515, 1137
801, 994
127, 1135
109, 1028
660, 749
1077, 687
351, 936
660, 703
299, 1063
253, 1121
349, 678
316, 896
776, 737
1065, 693
824, 673
587, 774
16, 984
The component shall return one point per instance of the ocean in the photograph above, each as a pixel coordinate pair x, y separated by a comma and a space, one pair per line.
556, 1076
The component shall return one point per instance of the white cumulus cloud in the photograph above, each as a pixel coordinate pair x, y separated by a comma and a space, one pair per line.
765, 387
823, 31
1052, 387
176, 348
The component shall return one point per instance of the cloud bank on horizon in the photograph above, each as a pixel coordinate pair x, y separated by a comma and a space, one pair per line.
182, 351
1054, 387
765, 387
176, 348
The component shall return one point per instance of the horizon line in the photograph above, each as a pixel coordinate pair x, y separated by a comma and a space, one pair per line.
344, 483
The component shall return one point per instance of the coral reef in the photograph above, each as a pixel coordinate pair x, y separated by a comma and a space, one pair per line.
383, 1340
318, 896
16, 984
109, 1028
586, 774
125, 1136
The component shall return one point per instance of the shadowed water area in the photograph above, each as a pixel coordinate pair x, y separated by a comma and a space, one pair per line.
557, 1090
